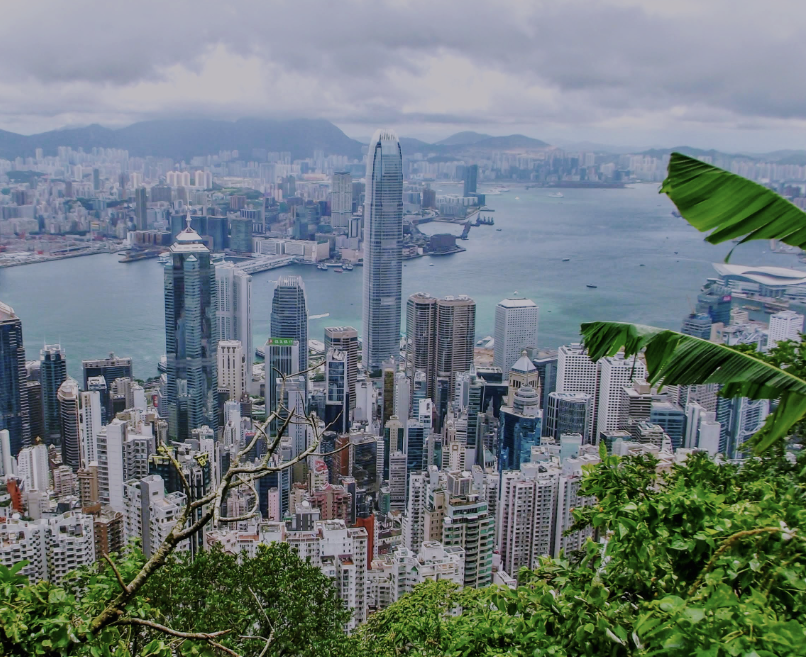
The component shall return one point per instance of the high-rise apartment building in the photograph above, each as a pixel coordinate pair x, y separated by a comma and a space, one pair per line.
14, 413
383, 236
345, 339
289, 316
191, 336
52, 372
234, 312
515, 330
341, 199
785, 325
470, 525
33, 468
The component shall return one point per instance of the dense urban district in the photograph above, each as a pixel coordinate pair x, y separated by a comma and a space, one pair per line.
395, 452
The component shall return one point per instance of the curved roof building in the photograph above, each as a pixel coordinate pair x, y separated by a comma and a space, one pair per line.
766, 281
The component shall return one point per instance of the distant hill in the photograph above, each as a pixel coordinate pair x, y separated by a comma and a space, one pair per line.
468, 142
463, 138
183, 139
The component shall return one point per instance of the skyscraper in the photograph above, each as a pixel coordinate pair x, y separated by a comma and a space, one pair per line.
616, 373
13, 394
383, 235
70, 423
421, 331
515, 330
345, 338
567, 412
191, 336
53, 372
576, 372
289, 315
341, 199
440, 338
141, 208
337, 403
231, 368
282, 357
470, 179
234, 312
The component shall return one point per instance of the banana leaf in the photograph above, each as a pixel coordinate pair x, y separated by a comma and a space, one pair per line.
731, 207
677, 359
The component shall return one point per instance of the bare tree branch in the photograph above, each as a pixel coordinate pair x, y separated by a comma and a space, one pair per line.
200, 636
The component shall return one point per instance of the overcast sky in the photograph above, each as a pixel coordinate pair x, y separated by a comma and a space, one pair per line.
727, 74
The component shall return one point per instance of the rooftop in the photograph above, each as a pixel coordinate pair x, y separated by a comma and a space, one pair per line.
762, 275
517, 303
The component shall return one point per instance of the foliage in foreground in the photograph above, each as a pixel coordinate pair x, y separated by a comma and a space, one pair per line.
708, 562
273, 594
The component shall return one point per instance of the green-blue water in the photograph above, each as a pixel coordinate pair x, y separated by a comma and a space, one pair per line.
95, 305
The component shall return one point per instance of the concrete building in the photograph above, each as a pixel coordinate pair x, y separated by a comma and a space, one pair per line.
33, 467
470, 526
53, 547
341, 199
345, 338
232, 369
70, 423
617, 373
785, 325
516, 322
150, 513
234, 313
576, 372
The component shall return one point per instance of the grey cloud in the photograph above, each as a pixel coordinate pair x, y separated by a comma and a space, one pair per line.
724, 61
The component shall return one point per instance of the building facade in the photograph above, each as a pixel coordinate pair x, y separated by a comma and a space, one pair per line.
383, 236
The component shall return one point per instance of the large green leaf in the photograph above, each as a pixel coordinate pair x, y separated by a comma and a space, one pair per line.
731, 207
677, 359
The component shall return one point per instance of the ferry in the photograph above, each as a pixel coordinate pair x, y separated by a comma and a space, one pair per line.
591, 286
566, 259
556, 195
322, 266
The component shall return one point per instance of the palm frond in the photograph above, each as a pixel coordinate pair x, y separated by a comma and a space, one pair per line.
678, 359
729, 206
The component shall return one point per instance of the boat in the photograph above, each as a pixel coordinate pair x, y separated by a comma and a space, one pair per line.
641, 265
591, 286
498, 230
675, 252
322, 266
556, 195
339, 270
431, 265
348, 267
566, 259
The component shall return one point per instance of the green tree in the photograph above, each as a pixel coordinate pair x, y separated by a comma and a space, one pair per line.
705, 560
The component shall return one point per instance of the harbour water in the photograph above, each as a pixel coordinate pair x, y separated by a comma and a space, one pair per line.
94, 305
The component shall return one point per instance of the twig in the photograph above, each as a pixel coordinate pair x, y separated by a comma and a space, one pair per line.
727, 544
117, 572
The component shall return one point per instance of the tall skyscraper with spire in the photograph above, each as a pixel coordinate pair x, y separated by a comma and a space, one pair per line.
191, 335
13, 394
289, 315
383, 236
